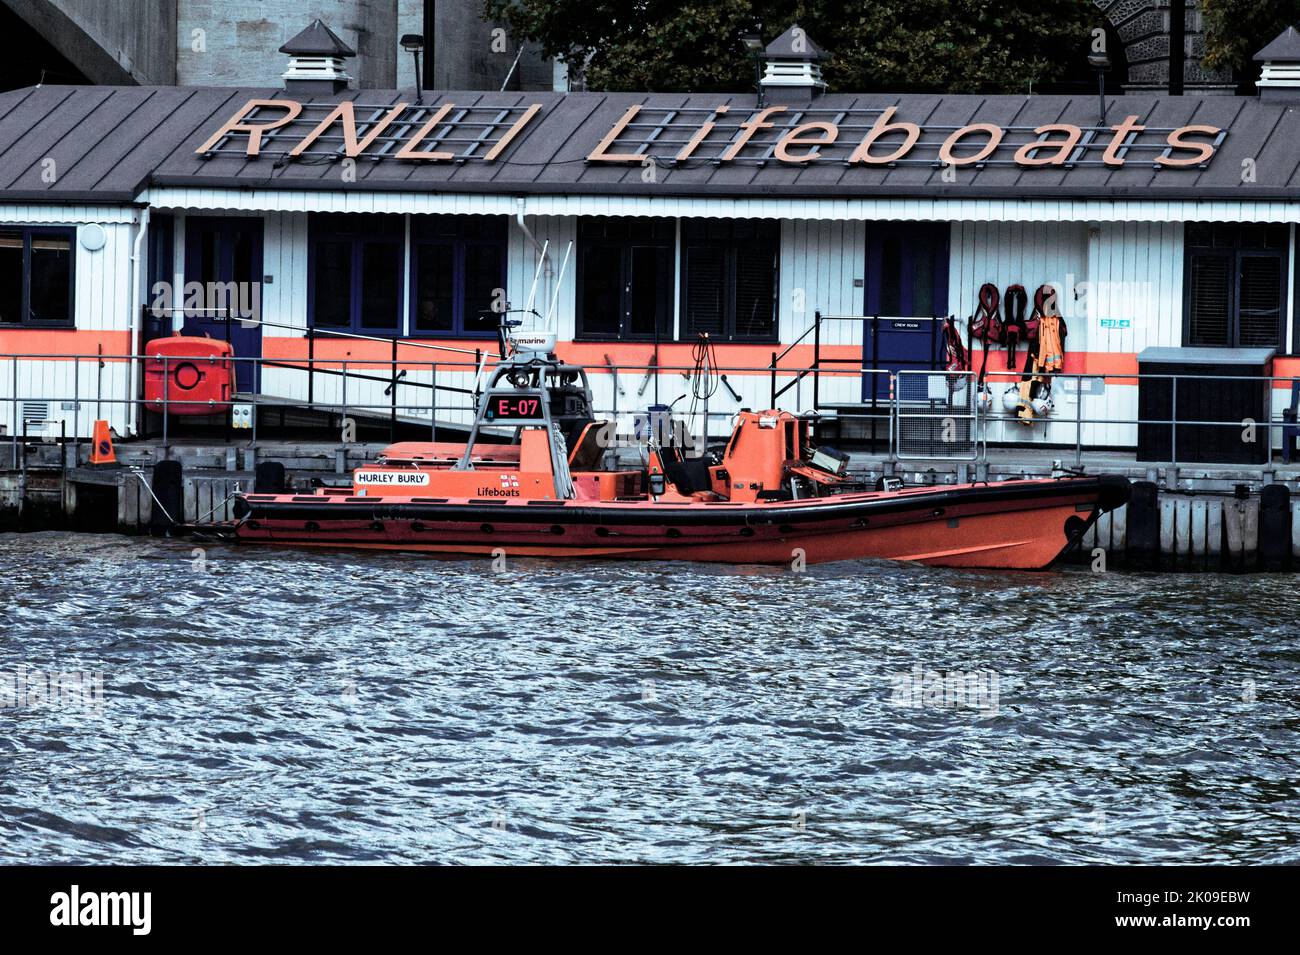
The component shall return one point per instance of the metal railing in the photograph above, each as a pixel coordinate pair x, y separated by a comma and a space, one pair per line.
922, 414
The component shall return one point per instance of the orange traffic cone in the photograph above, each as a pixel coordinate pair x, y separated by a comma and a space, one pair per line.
101, 448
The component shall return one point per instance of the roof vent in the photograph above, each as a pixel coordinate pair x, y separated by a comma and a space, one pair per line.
316, 61
793, 71
1279, 80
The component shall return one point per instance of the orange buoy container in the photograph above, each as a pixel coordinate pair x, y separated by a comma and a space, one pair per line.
187, 375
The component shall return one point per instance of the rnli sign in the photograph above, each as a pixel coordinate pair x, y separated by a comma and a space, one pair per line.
719, 135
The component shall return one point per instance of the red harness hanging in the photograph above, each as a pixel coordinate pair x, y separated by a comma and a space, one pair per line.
1017, 301
986, 325
954, 352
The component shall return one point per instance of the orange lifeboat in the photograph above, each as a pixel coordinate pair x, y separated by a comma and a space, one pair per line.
769, 496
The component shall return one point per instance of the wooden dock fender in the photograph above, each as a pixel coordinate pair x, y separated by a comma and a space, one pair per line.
1144, 526
168, 488
1241, 530
1275, 527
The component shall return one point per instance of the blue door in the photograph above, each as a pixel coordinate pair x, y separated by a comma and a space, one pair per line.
224, 254
906, 298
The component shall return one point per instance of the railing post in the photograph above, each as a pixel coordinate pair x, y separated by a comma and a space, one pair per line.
1078, 422
392, 402
76, 410
433, 401
311, 365
817, 358
706, 420
1173, 427
167, 391
613, 390
773, 367
894, 424
13, 403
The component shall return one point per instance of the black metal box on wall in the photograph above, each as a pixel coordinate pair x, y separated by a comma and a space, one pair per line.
1203, 394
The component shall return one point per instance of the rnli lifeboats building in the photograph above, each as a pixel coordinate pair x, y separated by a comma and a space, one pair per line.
636, 222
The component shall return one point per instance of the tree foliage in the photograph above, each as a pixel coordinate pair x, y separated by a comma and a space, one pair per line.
1235, 30
940, 45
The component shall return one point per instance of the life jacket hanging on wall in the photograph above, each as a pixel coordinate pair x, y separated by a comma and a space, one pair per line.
986, 323
1046, 355
985, 326
1047, 330
1017, 303
955, 358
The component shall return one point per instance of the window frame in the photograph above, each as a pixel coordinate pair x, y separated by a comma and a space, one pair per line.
1235, 253
341, 227
731, 246
662, 238
439, 230
71, 234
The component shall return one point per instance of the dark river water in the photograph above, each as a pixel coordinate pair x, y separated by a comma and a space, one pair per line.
293, 706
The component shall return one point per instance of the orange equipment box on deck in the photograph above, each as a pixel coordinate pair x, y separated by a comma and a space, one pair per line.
188, 375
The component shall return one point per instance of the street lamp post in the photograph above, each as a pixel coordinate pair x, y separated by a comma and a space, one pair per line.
413, 43
1101, 63
752, 44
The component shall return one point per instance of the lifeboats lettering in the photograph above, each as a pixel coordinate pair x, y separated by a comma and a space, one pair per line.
392, 478
496, 492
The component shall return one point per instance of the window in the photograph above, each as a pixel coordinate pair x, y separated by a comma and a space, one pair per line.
625, 278
355, 273
36, 277
1236, 285
907, 270
730, 284
459, 266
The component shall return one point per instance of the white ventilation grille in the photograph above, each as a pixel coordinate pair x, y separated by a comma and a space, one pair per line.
327, 69
799, 73
36, 413
1280, 74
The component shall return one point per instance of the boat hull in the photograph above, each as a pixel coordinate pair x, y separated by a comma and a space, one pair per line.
1010, 525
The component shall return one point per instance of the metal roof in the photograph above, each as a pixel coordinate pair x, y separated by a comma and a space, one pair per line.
106, 144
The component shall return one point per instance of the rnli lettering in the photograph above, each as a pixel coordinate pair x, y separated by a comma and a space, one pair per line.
392, 478
880, 137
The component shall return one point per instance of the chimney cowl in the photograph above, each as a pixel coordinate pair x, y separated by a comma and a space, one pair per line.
1279, 79
793, 72
316, 61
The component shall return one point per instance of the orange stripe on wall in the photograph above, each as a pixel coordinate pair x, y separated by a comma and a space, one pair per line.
63, 342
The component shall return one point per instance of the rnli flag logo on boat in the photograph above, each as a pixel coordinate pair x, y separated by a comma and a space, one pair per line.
509, 481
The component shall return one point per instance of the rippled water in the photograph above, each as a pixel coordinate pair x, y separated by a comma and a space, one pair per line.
284, 706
